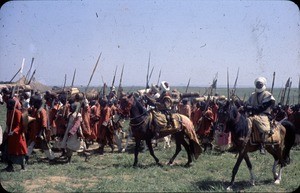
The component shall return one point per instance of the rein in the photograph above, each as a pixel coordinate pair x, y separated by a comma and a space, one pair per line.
139, 123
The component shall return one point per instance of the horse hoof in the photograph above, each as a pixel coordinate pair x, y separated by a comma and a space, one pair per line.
187, 165
277, 182
229, 188
159, 164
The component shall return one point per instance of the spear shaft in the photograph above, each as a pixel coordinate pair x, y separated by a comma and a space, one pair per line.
73, 79
93, 73
188, 85
273, 81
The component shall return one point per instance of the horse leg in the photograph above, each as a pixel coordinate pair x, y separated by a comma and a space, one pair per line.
278, 180
149, 144
136, 152
235, 170
249, 165
188, 151
178, 149
275, 174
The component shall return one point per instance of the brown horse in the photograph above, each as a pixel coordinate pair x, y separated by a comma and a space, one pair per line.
240, 127
143, 125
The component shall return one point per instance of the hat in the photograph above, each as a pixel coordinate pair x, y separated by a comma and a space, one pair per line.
154, 88
263, 80
165, 86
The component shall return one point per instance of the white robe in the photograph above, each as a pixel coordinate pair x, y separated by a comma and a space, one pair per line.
72, 142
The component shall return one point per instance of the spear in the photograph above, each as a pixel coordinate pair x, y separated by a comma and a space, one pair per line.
113, 81
284, 91
92, 73
273, 82
158, 77
120, 89
288, 95
15, 75
235, 83
26, 77
147, 77
18, 86
187, 86
73, 78
65, 80
31, 77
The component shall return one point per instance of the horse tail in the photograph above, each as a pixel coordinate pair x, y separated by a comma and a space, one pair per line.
189, 131
289, 140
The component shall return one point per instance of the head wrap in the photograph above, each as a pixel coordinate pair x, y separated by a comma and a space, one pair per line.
262, 80
165, 86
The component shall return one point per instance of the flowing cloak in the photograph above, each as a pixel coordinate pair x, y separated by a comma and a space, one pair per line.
195, 116
104, 121
86, 117
71, 137
94, 121
16, 142
206, 123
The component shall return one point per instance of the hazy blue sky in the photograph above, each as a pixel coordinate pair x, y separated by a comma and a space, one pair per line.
187, 39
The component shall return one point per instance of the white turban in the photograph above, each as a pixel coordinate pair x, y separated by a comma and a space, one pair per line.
262, 80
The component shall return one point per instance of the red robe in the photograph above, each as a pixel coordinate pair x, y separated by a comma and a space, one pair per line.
206, 123
16, 142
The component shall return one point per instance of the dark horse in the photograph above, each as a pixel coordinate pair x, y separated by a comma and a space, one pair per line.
238, 124
142, 127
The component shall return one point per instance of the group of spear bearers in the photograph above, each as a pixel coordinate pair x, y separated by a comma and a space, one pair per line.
55, 112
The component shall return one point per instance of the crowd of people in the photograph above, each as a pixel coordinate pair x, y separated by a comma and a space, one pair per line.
74, 121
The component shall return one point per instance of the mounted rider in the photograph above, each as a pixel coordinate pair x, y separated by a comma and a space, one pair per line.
161, 101
259, 106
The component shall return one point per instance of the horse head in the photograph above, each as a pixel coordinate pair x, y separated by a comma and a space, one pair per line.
126, 103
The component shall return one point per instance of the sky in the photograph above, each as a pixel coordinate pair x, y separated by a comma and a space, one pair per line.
191, 39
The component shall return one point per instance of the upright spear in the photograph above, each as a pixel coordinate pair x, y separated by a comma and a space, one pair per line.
113, 81
31, 77
158, 77
26, 77
18, 86
188, 85
92, 73
284, 91
273, 82
73, 79
120, 89
147, 77
288, 95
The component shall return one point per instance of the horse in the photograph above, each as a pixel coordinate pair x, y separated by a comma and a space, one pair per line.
143, 127
240, 127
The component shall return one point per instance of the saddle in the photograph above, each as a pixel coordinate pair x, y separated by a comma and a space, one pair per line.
269, 138
160, 121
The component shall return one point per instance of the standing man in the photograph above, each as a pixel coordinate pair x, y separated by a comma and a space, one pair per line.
38, 134
259, 105
16, 142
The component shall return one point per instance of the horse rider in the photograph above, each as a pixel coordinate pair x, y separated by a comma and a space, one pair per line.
259, 105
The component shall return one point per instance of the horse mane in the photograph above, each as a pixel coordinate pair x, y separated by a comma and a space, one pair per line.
140, 107
237, 122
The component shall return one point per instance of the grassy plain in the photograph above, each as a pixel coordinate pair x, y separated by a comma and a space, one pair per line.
113, 172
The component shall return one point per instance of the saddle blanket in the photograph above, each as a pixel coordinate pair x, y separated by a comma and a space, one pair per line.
255, 136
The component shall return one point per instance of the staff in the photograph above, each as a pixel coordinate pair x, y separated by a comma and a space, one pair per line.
92, 73
18, 86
